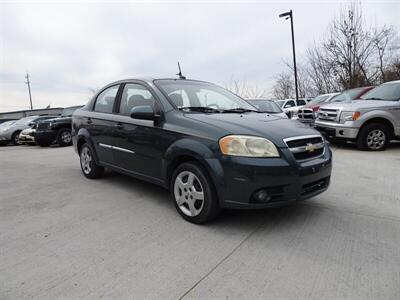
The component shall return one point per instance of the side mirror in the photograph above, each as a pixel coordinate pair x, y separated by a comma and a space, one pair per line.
144, 112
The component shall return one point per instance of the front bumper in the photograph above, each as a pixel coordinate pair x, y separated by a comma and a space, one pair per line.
45, 136
25, 138
285, 179
337, 130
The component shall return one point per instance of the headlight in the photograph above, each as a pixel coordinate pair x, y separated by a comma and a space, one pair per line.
250, 146
349, 116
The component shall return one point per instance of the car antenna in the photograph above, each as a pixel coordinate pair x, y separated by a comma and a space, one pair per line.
180, 72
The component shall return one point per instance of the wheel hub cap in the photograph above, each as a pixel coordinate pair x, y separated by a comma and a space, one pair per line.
86, 160
189, 193
66, 137
376, 139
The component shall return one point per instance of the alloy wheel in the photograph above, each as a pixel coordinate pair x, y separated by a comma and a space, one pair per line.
66, 137
86, 160
189, 193
376, 139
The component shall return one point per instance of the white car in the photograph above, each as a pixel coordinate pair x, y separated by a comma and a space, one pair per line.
291, 106
268, 106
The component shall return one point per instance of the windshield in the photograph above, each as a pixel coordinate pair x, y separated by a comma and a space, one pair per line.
347, 96
268, 106
319, 99
194, 94
280, 102
387, 92
68, 111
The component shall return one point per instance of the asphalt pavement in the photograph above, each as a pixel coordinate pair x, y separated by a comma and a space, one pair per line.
64, 236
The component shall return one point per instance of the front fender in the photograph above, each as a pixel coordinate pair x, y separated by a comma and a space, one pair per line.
200, 151
376, 114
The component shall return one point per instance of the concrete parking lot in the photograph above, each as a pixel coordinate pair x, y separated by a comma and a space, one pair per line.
63, 236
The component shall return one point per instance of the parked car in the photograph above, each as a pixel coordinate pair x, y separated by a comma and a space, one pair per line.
308, 112
291, 106
27, 136
371, 123
352, 94
3, 126
11, 132
267, 106
56, 130
212, 149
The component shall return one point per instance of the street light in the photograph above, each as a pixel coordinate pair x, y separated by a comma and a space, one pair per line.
287, 15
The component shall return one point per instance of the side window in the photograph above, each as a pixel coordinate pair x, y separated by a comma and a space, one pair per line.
301, 102
290, 104
134, 95
105, 100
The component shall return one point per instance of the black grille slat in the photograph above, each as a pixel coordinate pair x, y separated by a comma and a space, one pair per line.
300, 147
303, 142
315, 186
307, 155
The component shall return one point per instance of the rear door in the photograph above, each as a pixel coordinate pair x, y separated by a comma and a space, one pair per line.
100, 123
138, 143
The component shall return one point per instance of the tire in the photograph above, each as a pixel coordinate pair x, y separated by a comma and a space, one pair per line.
373, 137
89, 166
191, 180
64, 137
15, 138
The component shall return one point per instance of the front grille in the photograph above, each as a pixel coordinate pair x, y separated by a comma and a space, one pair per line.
306, 147
328, 114
305, 114
42, 125
315, 186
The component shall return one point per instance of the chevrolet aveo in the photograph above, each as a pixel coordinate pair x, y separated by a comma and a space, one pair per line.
211, 148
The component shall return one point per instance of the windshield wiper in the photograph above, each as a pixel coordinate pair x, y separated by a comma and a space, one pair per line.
239, 110
200, 109
374, 98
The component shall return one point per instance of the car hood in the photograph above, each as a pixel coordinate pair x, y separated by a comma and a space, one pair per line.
63, 119
272, 127
362, 105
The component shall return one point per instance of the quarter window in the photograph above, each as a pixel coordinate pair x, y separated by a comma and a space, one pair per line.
134, 95
105, 101
301, 102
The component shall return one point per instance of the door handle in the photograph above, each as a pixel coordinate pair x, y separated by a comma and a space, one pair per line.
119, 125
89, 121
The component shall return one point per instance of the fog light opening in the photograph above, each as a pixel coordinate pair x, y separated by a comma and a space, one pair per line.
262, 196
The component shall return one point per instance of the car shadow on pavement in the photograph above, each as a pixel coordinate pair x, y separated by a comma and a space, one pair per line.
238, 219
352, 146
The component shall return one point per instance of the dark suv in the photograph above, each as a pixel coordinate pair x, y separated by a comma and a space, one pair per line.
212, 149
56, 130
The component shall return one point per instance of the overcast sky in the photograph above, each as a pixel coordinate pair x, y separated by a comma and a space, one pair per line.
70, 47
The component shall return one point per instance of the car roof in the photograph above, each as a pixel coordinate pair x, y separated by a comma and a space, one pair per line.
150, 80
392, 82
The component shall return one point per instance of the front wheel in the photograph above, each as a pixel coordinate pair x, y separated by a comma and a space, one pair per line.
88, 165
193, 193
15, 138
64, 137
373, 137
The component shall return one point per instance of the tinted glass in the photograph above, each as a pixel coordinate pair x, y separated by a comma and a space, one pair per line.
134, 95
290, 104
26, 120
265, 106
301, 102
68, 111
105, 101
389, 92
201, 94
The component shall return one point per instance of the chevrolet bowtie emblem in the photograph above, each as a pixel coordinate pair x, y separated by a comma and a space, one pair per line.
310, 147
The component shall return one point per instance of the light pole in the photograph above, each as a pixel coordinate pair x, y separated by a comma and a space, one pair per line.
289, 14
29, 89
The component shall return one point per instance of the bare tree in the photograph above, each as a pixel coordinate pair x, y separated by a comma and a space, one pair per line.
284, 86
241, 88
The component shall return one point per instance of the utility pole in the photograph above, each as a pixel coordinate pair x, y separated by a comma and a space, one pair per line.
29, 89
288, 15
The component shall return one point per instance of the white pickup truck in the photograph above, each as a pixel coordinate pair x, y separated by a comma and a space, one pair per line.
371, 122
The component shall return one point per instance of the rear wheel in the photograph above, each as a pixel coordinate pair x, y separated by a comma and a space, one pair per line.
193, 193
373, 137
88, 165
64, 137
15, 138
